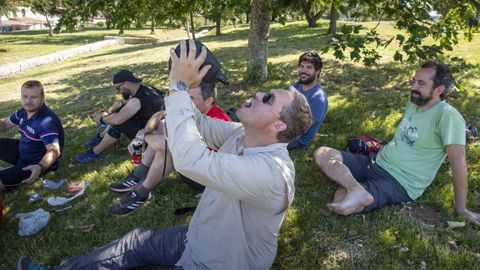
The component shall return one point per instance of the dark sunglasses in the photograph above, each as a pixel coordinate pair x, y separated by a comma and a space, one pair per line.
268, 98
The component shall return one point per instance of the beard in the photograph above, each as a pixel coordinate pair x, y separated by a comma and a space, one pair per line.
308, 80
420, 100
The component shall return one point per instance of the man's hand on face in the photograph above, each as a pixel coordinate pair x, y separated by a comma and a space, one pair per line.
35, 169
472, 216
187, 68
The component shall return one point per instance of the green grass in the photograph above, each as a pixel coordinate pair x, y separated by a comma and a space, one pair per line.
362, 100
21, 45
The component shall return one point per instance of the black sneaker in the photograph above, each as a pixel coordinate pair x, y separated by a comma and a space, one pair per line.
127, 184
130, 203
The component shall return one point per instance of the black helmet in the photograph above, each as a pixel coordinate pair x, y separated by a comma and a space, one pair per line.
215, 73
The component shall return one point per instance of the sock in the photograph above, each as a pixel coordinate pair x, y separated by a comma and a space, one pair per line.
140, 171
142, 192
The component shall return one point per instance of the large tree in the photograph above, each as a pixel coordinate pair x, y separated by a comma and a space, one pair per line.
47, 8
260, 15
420, 35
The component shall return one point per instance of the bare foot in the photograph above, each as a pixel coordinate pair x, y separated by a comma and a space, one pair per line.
339, 194
354, 201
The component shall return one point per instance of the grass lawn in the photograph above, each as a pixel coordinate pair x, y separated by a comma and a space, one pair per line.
362, 100
20, 45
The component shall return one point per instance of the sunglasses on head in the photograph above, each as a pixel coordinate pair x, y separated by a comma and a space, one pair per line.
268, 98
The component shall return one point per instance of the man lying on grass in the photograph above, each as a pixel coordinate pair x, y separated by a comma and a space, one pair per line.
249, 182
41, 142
430, 130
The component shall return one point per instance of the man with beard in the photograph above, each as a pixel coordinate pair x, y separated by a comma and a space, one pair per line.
309, 67
430, 130
39, 148
249, 182
126, 116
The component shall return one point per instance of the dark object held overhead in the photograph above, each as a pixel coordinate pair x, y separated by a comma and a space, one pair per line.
215, 73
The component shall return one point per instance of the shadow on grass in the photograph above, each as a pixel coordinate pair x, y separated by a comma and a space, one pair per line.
363, 100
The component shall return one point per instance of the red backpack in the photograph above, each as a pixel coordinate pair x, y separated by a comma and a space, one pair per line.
365, 145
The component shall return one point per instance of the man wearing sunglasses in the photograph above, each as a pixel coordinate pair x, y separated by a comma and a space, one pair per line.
126, 116
249, 181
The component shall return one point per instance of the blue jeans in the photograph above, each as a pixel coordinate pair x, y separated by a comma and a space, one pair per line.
140, 247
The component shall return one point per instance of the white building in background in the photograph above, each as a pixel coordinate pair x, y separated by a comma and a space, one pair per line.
25, 19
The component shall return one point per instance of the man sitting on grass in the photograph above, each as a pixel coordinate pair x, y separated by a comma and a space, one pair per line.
39, 148
309, 68
430, 130
126, 116
249, 182
151, 171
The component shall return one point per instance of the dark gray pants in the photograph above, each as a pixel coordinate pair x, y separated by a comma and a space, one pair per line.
140, 247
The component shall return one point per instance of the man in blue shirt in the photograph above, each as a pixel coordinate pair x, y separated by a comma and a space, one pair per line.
309, 67
39, 148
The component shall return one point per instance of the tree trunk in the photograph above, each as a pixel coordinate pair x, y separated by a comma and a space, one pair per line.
50, 30
206, 22
152, 26
260, 14
187, 28
332, 28
192, 24
218, 31
312, 22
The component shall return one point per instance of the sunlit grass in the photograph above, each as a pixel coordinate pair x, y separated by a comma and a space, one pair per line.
362, 100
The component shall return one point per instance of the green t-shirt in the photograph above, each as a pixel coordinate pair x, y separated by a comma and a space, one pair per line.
417, 151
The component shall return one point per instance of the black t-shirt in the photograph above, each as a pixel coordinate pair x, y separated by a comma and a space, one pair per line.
151, 101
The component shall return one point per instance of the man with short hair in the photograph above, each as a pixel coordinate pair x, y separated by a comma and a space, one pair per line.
39, 149
126, 116
249, 182
430, 130
151, 171
309, 68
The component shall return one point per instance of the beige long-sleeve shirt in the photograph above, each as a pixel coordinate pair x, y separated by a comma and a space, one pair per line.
248, 190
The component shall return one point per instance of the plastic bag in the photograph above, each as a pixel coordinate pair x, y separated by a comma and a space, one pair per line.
32, 222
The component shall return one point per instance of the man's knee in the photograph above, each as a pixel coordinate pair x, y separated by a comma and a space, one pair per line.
135, 238
114, 132
323, 156
158, 143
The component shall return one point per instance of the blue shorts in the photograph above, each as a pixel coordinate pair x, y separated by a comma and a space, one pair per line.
378, 182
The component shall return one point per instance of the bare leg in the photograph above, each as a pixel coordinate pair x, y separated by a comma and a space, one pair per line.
356, 198
148, 156
106, 142
154, 175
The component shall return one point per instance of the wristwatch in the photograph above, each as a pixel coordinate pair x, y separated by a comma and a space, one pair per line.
178, 86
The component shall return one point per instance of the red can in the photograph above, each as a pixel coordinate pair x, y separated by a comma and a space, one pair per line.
137, 152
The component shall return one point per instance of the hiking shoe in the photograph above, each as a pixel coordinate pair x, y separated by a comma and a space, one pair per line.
127, 184
25, 263
93, 141
87, 157
130, 203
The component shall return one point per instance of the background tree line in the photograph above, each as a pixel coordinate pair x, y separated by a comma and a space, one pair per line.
445, 22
